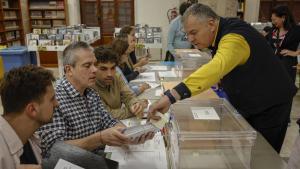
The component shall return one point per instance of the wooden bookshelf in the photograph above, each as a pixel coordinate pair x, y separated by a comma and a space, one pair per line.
11, 25
47, 13
107, 15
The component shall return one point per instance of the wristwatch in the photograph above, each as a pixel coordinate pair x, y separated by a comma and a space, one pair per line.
170, 96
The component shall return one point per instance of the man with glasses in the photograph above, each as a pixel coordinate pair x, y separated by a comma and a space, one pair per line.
254, 80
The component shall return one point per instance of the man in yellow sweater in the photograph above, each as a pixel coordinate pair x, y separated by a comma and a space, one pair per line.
118, 98
252, 77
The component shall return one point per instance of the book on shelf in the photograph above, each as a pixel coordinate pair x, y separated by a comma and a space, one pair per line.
44, 42
5, 4
59, 36
43, 37
67, 37
46, 31
10, 14
66, 42
35, 36
59, 42
33, 42
62, 36
50, 14
10, 25
76, 37
52, 37
36, 14
16, 43
53, 31
62, 30
60, 14
58, 23
60, 4
37, 31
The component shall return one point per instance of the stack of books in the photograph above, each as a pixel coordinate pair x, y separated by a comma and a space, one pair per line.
62, 36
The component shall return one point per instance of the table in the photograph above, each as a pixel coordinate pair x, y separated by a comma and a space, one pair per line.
263, 156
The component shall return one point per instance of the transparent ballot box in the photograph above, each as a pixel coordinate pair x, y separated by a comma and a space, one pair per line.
208, 134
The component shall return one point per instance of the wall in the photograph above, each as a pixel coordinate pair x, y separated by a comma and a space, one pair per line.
74, 12
154, 13
25, 16
251, 10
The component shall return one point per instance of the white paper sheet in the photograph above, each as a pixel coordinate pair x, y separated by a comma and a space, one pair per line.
167, 74
205, 113
195, 55
153, 85
158, 92
150, 155
158, 67
145, 77
63, 164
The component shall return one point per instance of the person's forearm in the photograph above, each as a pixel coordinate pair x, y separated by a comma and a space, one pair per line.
88, 143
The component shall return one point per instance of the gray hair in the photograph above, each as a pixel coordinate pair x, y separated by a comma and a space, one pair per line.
69, 54
201, 11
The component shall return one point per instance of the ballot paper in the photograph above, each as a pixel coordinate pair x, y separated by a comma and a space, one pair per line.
195, 55
158, 67
150, 155
167, 74
205, 113
160, 123
145, 77
153, 85
63, 164
158, 92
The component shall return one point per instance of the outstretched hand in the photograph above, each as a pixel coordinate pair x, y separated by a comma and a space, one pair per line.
161, 106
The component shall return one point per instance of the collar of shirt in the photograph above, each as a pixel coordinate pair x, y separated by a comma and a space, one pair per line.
71, 90
102, 85
13, 141
214, 42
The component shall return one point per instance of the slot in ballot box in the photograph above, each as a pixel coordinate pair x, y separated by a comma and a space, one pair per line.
208, 134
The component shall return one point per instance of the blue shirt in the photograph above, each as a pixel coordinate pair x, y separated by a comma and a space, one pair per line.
176, 36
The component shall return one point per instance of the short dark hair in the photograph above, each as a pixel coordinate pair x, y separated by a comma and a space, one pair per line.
283, 11
23, 85
120, 45
183, 7
105, 54
126, 30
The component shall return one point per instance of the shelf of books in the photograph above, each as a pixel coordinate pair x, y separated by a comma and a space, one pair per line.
47, 13
11, 26
46, 41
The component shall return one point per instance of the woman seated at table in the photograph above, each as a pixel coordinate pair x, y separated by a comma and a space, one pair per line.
123, 49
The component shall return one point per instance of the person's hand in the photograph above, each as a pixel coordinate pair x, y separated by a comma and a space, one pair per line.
137, 109
144, 86
29, 166
145, 103
113, 136
286, 52
143, 138
143, 61
161, 106
139, 69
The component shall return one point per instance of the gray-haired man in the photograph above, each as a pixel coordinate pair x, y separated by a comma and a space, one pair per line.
253, 78
80, 119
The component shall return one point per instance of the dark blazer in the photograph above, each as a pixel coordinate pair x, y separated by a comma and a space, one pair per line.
290, 42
